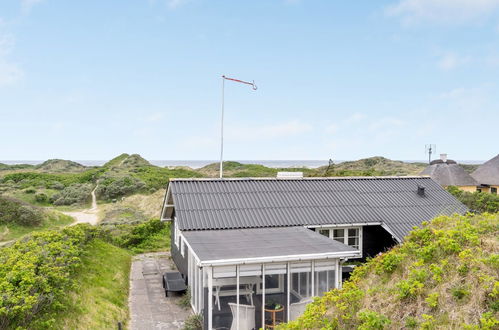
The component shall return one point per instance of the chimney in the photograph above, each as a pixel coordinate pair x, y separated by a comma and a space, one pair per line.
290, 175
443, 157
421, 191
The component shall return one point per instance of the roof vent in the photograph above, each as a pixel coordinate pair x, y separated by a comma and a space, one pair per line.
290, 175
421, 191
443, 157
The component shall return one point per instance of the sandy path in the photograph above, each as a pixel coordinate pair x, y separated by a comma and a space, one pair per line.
86, 216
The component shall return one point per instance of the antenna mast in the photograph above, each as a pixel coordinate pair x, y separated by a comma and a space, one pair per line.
430, 149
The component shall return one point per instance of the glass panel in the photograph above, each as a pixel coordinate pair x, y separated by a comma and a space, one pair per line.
353, 241
301, 281
225, 298
324, 232
331, 279
353, 232
339, 235
321, 283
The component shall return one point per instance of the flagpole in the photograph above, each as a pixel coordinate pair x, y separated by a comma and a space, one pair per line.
222, 129
253, 85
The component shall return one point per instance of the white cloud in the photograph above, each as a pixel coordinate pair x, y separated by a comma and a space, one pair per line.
332, 128
467, 100
260, 132
384, 124
175, 3
154, 117
442, 11
27, 5
355, 118
450, 61
10, 73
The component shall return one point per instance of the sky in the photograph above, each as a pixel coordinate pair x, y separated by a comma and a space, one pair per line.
91, 79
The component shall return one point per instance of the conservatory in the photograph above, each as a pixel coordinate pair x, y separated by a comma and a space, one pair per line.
258, 278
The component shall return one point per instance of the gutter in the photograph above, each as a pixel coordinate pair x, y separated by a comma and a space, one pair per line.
274, 259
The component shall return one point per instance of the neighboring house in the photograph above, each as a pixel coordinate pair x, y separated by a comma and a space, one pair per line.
242, 243
487, 175
447, 172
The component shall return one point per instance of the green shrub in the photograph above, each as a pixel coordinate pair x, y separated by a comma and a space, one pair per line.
36, 272
77, 193
18, 212
409, 288
30, 191
41, 197
432, 300
411, 322
476, 201
372, 320
112, 188
49, 180
389, 262
152, 235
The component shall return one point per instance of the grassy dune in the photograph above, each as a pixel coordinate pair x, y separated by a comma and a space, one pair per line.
100, 299
444, 276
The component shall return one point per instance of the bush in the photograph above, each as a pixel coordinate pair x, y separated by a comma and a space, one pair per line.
41, 197
372, 320
14, 211
36, 272
152, 235
111, 188
432, 300
77, 193
476, 201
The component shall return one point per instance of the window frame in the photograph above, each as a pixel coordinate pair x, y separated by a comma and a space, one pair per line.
345, 235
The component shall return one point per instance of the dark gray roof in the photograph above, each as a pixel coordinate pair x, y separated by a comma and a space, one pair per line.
488, 172
449, 174
206, 204
262, 243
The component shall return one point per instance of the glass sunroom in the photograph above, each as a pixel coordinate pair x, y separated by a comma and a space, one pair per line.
258, 278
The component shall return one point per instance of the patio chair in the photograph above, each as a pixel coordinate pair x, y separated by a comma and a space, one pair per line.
298, 308
246, 317
173, 282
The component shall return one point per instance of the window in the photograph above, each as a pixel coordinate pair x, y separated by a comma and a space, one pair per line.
347, 236
493, 190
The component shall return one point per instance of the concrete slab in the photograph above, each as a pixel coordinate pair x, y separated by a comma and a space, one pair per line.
149, 308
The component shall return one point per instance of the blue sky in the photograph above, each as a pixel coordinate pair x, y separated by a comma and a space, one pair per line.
337, 79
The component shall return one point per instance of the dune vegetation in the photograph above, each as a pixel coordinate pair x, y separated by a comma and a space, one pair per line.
444, 276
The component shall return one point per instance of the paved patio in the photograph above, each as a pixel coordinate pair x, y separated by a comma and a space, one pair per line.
149, 308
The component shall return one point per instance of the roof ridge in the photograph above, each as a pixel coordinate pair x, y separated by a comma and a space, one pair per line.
309, 178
